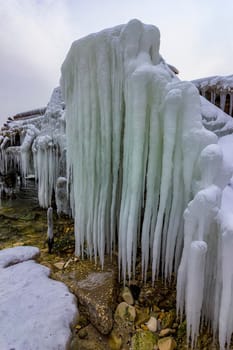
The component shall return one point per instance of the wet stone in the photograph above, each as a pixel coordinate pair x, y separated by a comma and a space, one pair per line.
96, 294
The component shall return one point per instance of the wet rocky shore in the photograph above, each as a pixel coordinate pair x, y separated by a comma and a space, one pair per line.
136, 316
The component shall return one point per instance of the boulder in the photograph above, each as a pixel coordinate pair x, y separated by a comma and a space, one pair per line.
95, 294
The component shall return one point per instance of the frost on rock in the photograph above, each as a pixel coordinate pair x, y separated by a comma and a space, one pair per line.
36, 312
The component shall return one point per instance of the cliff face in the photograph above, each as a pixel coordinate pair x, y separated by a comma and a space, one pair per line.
218, 90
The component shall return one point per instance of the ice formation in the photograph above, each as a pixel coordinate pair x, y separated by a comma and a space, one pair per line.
41, 147
144, 169
218, 90
137, 133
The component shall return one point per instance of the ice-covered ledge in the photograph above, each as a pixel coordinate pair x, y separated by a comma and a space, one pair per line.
36, 312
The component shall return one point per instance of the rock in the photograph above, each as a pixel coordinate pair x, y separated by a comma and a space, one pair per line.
127, 296
59, 265
95, 294
156, 309
147, 295
142, 316
167, 343
144, 340
167, 318
152, 324
165, 332
115, 341
83, 333
125, 313
93, 340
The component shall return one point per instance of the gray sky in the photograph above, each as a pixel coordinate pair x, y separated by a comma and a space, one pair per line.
35, 36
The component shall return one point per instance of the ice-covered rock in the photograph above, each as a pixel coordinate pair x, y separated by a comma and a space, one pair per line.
11, 256
218, 90
214, 119
36, 311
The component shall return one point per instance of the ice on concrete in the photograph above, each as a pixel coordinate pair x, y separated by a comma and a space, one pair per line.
36, 312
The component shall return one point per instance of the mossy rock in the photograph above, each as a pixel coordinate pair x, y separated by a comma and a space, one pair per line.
144, 340
181, 331
168, 319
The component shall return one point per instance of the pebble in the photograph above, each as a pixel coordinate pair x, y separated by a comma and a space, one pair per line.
165, 332
59, 265
115, 341
167, 343
152, 324
125, 312
127, 296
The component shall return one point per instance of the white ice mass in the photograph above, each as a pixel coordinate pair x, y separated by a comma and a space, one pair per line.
36, 312
145, 168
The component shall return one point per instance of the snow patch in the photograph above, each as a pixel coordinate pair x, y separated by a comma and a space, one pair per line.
36, 312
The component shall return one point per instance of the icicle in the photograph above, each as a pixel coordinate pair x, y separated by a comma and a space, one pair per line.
231, 104
50, 238
222, 100
195, 288
213, 96
226, 305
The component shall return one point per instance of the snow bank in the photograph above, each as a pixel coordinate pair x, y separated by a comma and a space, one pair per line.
36, 312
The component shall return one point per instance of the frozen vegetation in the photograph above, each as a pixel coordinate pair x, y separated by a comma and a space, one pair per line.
145, 167
36, 312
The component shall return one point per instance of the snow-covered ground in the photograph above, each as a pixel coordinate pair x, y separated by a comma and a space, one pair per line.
36, 312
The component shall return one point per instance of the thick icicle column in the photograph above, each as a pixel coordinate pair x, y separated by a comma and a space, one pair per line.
136, 155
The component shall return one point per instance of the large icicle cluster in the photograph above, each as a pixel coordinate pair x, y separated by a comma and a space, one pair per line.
138, 158
37, 147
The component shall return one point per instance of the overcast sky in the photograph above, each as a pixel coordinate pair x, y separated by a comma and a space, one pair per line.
35, 36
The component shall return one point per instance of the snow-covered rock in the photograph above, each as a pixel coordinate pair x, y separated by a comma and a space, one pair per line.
214, 119
11, 256
36, 312
218, 90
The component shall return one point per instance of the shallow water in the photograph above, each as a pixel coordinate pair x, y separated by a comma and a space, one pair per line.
24, 223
